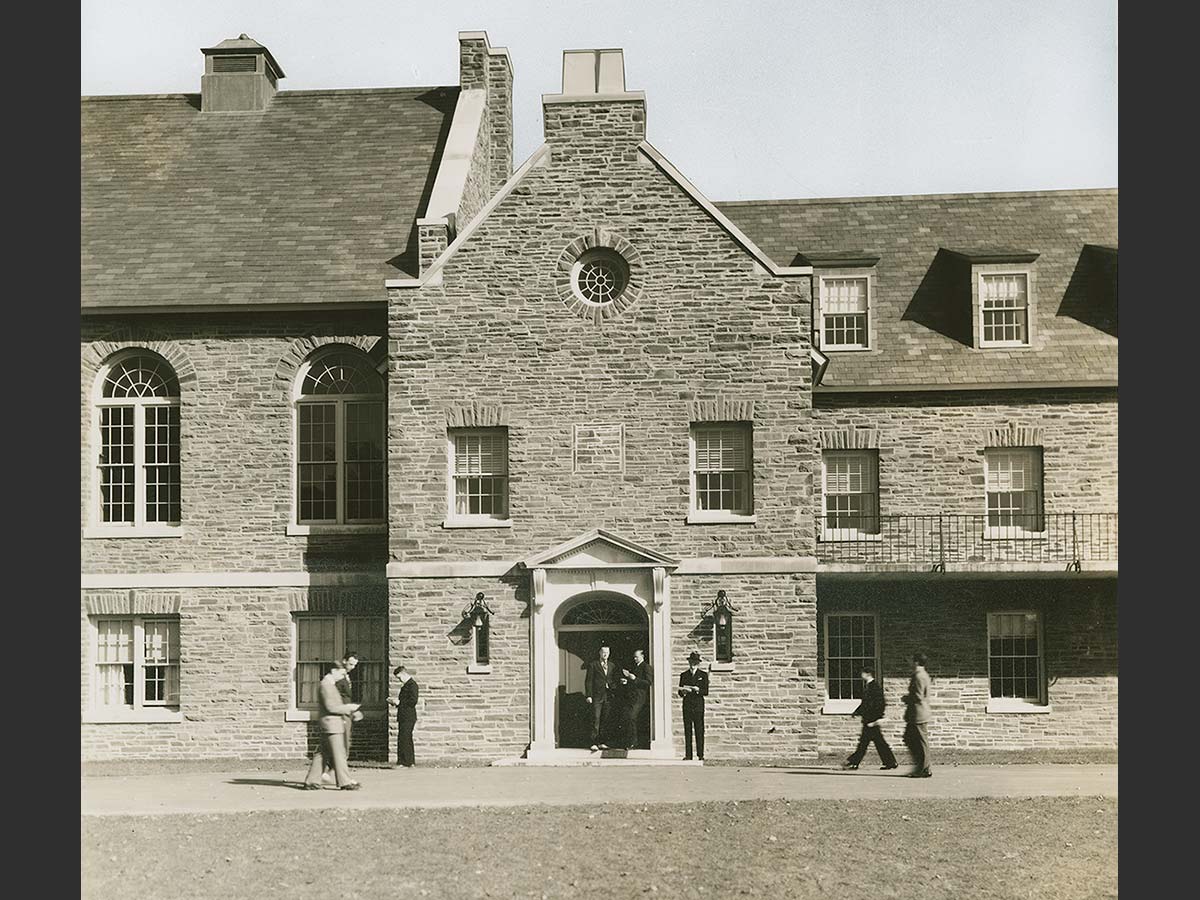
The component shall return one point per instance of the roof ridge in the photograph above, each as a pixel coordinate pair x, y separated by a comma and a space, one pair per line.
91, 98
872, 197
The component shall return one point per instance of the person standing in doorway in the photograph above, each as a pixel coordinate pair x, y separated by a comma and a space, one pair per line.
406, 716
332, 715
916, 718
637, 683
693, 688
598, 685
871, 709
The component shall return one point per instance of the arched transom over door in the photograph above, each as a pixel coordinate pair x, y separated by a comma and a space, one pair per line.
585, 625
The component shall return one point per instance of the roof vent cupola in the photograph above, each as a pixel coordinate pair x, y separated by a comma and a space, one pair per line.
240, 75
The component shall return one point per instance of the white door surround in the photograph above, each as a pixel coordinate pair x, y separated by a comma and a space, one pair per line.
597, 562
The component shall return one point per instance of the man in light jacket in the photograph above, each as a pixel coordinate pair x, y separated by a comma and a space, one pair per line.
916, 718
331, 719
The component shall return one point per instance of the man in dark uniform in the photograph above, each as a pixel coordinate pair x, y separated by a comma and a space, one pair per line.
598, 685
693, 688
637, 683
406, 716
871, 709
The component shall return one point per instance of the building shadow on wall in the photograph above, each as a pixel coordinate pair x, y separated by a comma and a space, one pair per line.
942, 301
1091, 294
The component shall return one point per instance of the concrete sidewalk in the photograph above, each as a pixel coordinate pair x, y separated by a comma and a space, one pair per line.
248, 791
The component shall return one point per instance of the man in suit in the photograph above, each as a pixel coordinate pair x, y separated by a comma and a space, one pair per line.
406, 716
332, 715
345, 689
637, 683
598, 686
693, 688
871, 709
916, 718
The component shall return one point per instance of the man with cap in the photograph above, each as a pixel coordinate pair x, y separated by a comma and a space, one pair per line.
406, 716
693, 688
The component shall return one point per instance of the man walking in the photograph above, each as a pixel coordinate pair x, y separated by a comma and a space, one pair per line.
693, 688
346, 690
332, 715
637, 683
916, 718
406, 716
871, 709
598, 686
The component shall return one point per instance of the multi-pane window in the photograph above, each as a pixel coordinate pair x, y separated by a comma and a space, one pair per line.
138, 468
844, 313
1014, 490
1004, 307
722, 473
136, 662
340, 457
479, 478
850, 642
851, 490
322, 640
1015, 656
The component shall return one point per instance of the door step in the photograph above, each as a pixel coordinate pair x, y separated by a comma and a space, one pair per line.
572, 757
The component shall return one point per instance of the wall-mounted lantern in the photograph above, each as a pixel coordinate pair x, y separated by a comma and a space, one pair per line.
722, 612
479, 615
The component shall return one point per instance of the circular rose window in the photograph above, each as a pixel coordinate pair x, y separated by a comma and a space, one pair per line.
599, 276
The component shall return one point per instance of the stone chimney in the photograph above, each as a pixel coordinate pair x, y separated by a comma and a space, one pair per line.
240, 75
594, 111
487, 68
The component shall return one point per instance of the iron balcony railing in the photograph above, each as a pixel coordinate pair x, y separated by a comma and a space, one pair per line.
933, 542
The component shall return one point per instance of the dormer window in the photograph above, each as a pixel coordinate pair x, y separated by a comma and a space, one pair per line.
1004, 310
845, 289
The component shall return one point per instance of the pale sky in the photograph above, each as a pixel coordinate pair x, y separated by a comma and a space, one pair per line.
752, 100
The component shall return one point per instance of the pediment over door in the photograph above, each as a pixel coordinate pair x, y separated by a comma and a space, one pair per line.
599, 549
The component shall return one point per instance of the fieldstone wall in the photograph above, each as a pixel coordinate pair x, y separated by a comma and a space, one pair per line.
235, 666
236, 441
947, 620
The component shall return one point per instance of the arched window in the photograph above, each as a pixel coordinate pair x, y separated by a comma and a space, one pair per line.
137, 413
340, 441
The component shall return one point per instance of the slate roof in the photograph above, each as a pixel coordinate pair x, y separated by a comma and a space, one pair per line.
921, 312
314, 199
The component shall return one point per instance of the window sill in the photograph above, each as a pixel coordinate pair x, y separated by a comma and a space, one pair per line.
1006, 706
131, 716
848, 536
310, 715
704, 518
477, 523
139, 531
845, 349
722, 667
1016, 345
1012, 534
479, 669
839, 707
375, 528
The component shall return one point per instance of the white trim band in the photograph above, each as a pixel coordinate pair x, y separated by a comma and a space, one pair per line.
228, 579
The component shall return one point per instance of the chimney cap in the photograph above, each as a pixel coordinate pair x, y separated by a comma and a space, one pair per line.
598, 71
240, 44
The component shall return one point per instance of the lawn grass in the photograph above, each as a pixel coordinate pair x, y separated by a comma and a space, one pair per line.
981, 848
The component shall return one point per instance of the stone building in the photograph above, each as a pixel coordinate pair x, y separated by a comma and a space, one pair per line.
349, 381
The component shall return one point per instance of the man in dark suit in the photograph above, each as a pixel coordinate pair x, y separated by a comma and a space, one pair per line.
637, 683
406, 716
871, 709
598, 686
693, 688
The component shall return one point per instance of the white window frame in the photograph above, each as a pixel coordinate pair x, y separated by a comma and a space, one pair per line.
1015, 532
981, 271
141, 711
339, 525
868, 279
698, 516
828, 534
1003, 705
309, 712
455, 519
838, 706
139, 527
